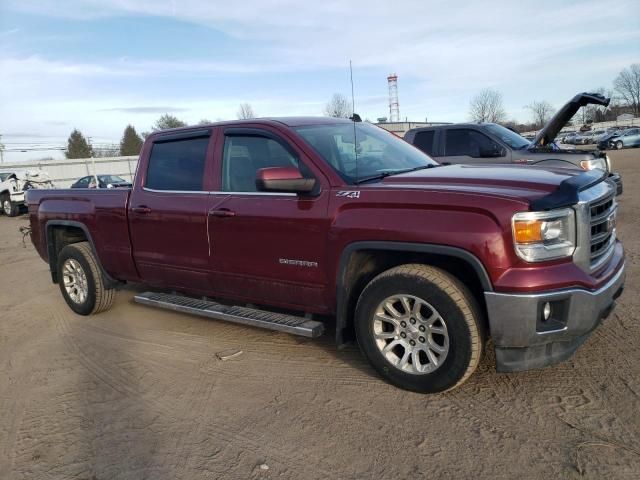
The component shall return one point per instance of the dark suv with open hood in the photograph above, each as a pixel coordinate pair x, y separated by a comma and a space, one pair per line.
490, 143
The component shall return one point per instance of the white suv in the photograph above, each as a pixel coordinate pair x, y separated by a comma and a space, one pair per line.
13, 184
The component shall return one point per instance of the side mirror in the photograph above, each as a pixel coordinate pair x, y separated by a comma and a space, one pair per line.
283, 179
493, 151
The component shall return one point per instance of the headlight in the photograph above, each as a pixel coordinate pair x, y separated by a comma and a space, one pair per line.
540, 236
600, 163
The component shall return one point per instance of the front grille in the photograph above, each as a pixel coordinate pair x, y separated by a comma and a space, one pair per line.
603, 233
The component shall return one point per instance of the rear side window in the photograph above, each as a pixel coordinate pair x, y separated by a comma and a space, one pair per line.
424, 141
177, 165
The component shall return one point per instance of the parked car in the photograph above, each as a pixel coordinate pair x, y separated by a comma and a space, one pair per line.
570, 138
603, 140
626, 138
101, 181
592, 137
13, 185
312, 218
489, 143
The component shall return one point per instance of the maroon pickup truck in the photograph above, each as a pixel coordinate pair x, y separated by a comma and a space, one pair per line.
291, 223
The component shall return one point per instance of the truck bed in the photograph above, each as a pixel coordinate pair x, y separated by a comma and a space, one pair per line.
100, 213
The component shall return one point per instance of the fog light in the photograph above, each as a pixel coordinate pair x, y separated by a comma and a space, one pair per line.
546, 311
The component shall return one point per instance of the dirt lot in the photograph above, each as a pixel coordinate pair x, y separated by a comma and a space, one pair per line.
140, 393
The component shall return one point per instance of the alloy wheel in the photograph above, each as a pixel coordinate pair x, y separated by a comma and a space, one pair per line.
411, 334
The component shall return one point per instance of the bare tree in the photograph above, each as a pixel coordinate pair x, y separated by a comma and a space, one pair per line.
627, 84
541, 112
487, 106
245, 112
337, 107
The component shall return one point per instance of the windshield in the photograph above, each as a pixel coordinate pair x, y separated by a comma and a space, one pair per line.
509, 137
378, 151
111, 179
4, 176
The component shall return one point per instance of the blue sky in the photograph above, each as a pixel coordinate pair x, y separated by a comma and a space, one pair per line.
98, 65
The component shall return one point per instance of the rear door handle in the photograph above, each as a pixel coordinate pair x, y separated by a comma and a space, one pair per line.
141, 209
222, 212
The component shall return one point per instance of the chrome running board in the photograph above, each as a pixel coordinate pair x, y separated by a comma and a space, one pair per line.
242, 315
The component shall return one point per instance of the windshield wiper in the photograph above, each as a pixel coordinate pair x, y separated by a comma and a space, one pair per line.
395, 172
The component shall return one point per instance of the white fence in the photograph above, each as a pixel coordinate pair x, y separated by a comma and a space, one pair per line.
64, 172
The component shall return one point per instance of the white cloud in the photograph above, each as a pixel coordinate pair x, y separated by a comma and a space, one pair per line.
443, 52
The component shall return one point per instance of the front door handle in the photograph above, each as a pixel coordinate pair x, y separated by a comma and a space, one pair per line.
141, 209
222, 212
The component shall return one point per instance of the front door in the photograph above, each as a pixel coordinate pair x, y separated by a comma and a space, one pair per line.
471, 147
168, 213
267, 247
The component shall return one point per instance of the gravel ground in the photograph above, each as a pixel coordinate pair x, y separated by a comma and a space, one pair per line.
140, 393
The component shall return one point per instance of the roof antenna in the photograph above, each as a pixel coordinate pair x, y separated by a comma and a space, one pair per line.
355, 118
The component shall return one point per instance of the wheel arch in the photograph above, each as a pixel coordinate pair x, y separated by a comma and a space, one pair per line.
59, 234
361, 261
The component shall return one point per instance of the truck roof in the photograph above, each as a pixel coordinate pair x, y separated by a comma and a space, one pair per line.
288, 121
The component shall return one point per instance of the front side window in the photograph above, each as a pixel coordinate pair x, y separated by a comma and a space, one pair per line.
177, 165
244, 155
467, 142
359, 151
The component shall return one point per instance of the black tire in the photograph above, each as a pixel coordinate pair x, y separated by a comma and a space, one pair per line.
9, 208
455, 305
98, 297
619, 145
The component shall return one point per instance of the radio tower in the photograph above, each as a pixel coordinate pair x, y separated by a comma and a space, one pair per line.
394, 107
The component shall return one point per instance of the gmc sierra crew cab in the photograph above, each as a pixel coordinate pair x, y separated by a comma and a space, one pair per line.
288, 223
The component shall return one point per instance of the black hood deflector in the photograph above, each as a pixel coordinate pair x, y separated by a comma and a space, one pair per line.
567, 192
550, 131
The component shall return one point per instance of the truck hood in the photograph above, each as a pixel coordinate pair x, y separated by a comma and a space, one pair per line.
550, 131
525, 183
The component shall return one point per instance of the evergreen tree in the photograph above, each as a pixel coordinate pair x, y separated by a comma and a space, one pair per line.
131, 143
167, 121
78, 146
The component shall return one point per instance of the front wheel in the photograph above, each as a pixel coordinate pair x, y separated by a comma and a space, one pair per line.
9, 208
81, 282
420, 328
619, 145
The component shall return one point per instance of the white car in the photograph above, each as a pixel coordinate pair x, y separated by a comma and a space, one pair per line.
13, 185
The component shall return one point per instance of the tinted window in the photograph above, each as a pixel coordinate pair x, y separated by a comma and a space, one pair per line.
466, 142
245, 155
424, 141
511, 138
177, 165
84, 181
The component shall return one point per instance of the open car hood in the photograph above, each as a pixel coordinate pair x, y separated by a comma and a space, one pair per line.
560, 119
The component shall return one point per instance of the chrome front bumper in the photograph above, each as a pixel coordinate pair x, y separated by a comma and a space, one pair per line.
524, 340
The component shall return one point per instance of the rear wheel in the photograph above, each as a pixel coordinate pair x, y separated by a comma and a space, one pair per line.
81, 282
420, 328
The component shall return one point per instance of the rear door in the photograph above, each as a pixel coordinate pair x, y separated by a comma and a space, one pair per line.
267, 247
168, 212
469, 146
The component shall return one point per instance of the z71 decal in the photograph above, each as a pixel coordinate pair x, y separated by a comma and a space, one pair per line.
349, 193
